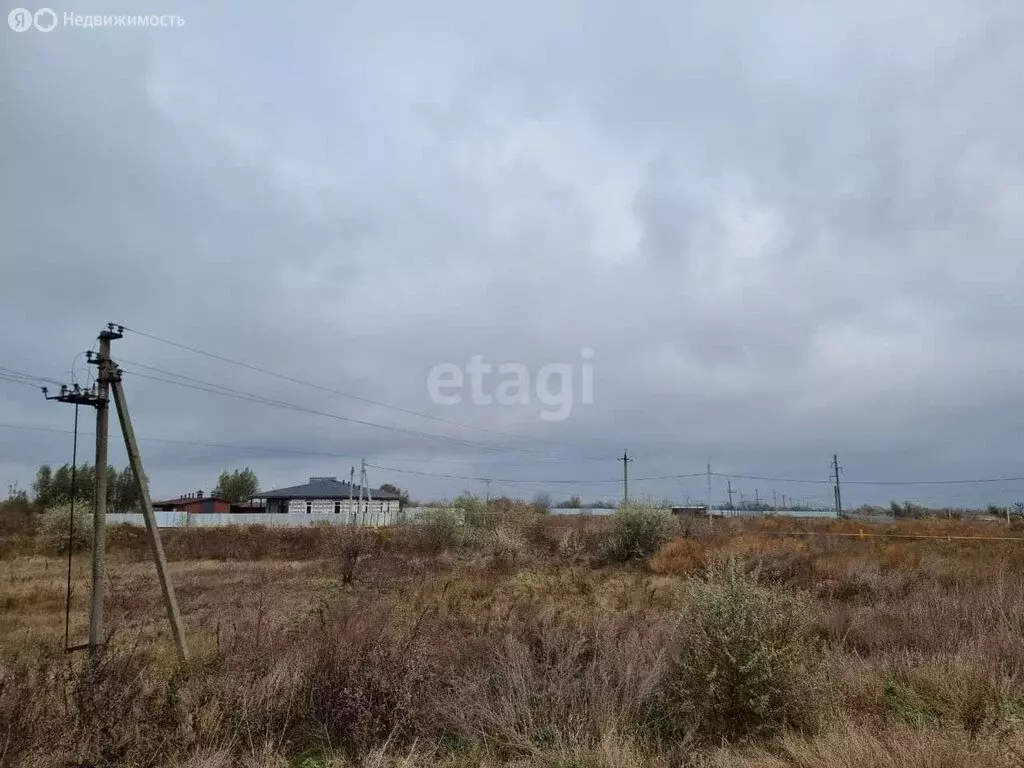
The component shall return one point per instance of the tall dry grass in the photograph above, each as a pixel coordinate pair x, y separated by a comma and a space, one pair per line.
321, 647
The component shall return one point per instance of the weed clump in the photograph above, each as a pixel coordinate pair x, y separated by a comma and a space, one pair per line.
637, 532
442, 528
745, 666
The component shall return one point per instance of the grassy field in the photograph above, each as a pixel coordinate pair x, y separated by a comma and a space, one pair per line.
529, 641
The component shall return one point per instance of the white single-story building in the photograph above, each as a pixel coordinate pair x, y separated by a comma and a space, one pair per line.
328, 495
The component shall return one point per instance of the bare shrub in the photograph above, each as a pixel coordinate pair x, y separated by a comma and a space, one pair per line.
353, 545
636, 532
744, 666
442, 528
368, 682
555, 687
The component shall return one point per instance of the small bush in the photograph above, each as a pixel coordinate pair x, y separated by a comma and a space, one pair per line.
442, 528
507, 547
52, 530
637, 532
745, 666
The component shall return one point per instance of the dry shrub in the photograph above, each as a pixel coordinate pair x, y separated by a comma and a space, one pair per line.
636, 532
678, 556
962, 689
507, 548
556, 687
442, 528
745, 666
17, 518
369, 682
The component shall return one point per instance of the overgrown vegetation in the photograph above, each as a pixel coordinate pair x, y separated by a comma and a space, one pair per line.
739, 645
636, 532
745, 666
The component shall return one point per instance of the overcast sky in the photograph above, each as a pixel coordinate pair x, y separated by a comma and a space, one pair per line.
786, 230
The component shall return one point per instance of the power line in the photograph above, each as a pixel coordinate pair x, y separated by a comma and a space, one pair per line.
13, 380
329, 454
873, 482
524, 480
271, 449
218, 389
331, 390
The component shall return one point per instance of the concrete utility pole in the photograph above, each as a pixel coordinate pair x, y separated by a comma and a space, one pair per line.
362, 509
625, 476
351, 491
757, 499
369, 500
97, 634
730, 494
775, 500
109, 378
152, 532
836, 469
709, 489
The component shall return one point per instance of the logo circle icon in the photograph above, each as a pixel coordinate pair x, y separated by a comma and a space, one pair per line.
45, 19
20, 19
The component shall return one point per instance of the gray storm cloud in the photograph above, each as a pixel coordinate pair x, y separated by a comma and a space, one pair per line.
785, 232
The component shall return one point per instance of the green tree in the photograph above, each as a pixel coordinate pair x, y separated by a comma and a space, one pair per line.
122, 491
42, 487
239, 485
52, 488
404, 495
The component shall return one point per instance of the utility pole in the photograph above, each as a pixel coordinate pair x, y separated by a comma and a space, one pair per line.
135, 461
757, 500
99, 516
362, 484
836, 469
625, 476
709, 490
109, 378
730, 494
351, 490
369, 500
775, 500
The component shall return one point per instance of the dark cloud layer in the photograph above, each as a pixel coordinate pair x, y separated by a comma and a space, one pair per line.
785, 232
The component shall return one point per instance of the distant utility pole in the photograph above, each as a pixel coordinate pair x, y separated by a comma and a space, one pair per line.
836, 469
730, 494
352, 510
775, 500
709, 490
364, 484
625, 476
757, 499
109, 378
